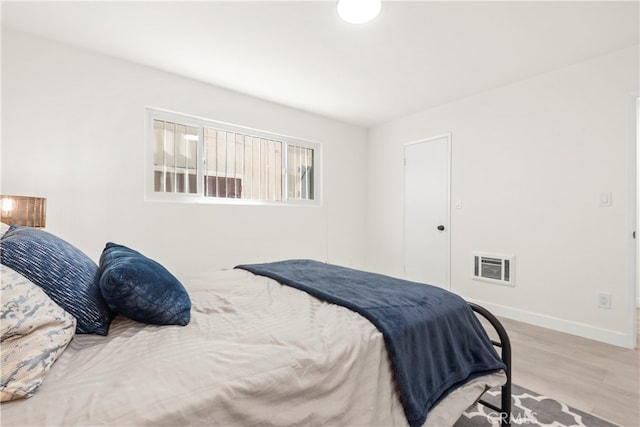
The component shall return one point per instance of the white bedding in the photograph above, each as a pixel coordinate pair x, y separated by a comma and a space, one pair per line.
256, 353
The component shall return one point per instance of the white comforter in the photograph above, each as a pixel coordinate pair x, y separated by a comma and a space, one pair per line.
256, 353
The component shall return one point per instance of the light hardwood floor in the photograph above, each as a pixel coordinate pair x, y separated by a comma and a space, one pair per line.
591, 376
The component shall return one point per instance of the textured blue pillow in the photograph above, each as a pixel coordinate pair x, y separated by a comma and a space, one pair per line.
66, 274
142, 289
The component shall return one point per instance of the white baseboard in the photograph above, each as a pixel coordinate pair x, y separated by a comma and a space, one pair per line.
561, 325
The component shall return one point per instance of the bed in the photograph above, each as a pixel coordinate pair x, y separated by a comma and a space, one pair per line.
248, 350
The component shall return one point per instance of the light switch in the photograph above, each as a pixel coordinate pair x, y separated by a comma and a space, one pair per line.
605, 199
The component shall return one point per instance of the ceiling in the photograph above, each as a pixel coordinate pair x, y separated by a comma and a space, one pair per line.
415, 55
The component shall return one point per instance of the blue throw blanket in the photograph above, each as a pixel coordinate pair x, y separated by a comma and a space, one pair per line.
434, 340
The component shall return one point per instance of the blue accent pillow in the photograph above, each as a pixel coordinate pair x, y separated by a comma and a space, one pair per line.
66, 274
142, 289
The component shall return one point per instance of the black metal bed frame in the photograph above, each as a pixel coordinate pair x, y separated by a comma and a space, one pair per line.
505, 345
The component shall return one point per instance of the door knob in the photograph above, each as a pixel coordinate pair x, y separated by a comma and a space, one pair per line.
441, 227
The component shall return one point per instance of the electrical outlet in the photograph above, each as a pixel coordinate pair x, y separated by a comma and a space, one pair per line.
604, 300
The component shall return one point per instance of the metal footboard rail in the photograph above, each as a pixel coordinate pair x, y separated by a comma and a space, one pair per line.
505, 345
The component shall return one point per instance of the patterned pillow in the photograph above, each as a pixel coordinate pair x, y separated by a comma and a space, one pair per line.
66, 274
141, 289
35, 331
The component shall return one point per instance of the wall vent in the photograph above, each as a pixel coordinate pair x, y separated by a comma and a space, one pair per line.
494, 268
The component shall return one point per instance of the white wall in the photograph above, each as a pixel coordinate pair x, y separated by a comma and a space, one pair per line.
73, 131
73, 126
528, 163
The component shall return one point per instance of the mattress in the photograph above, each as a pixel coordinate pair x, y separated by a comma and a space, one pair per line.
254, 353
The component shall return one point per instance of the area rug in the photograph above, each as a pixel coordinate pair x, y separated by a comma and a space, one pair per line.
529, 409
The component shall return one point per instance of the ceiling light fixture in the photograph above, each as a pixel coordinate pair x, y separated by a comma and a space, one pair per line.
358, 11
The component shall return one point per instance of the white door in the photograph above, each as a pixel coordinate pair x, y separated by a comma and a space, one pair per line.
426, 211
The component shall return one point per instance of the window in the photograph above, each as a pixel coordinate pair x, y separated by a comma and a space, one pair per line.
195, 159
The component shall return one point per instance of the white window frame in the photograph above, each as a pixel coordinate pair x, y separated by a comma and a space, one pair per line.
200, 123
